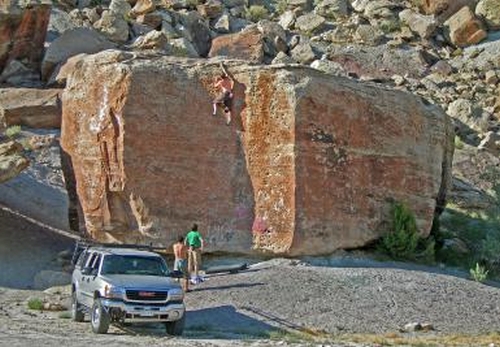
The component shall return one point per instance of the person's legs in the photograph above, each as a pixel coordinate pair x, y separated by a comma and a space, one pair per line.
227, 108
196, 256
214, 109
185, 276
190, 262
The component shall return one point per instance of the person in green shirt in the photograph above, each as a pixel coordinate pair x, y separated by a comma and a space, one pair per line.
194, 242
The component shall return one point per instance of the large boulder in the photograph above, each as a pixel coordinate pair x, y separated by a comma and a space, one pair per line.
22, 31
71, 43
248, 45
310, 164
39, 190
35, 108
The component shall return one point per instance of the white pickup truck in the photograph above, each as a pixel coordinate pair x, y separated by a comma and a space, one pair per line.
125, 285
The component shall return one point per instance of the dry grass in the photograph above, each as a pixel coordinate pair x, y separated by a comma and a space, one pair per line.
425, 339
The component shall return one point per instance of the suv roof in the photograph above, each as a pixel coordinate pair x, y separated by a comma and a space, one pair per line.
123, 251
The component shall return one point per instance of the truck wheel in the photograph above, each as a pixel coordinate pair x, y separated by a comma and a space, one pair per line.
99, 318
176, 328
76, 312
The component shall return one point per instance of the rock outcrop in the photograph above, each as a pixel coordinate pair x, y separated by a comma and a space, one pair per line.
310, 163
35, 108
22, 31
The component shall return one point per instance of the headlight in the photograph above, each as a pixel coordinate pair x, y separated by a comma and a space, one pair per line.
176, 294
113, 292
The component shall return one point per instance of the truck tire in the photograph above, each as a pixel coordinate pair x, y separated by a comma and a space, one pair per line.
99, 318
76, 311
176, 328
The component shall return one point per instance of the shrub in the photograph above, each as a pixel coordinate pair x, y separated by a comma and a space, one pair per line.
256, 13
459, 144
12, 131
479, 273
281, 6
35, 304
389, 26
403, 240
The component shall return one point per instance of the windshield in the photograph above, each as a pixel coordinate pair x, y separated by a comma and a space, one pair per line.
133, 265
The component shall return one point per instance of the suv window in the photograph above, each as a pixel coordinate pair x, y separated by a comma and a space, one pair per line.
82, 258
133, 265
93, 262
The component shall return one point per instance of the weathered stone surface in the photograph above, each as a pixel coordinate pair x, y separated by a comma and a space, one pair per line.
12, 162
197, 31
465, 28
144, 6
114, 26
36, 108
211, 9
444, 9
70, 43
424, 26
490, 11
303, 52
310, 164
22, 32
309, 22
332, 9
247, 45
39, 191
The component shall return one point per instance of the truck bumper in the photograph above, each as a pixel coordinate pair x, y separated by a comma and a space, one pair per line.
124, 312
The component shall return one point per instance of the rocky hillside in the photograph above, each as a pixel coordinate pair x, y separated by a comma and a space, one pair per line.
443, 50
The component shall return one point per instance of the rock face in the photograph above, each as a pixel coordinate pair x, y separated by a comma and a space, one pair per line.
465, 28
36, 108
310, 163
22, 32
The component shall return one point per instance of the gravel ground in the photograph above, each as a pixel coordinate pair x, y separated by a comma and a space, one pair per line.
254, 307
278, 302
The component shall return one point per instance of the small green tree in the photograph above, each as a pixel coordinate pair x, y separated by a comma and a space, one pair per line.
479, 273
403, 241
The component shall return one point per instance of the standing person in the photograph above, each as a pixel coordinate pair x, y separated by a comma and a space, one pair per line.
225, 84
180, 262
194, 241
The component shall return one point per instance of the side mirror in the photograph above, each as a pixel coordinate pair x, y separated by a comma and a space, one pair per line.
176, 274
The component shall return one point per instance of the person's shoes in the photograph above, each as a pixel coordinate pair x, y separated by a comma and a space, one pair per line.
214, 114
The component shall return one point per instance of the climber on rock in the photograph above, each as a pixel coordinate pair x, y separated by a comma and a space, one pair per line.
224, 83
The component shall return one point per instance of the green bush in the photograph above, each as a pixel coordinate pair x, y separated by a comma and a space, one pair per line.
35, 304
479, 273
403, 241
459, 144
256, 13
281, 6
12, 131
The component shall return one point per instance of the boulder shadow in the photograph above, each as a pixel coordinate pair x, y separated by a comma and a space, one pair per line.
225, 322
